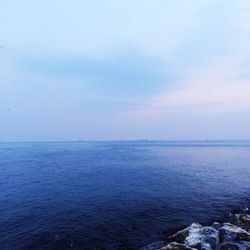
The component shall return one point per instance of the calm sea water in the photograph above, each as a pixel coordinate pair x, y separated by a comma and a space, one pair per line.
115, 195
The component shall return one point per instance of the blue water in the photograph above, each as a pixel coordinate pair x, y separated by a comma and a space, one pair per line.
115, 195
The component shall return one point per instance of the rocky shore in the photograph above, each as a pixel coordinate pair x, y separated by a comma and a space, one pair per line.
232, 234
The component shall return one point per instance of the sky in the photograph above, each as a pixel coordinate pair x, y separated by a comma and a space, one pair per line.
124, 70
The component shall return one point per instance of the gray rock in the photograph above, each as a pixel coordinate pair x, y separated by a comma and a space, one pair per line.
229, 232
239, 245
234, 219
244, 218
229, 246
205, 246
240, 219
246, 210
180, 236
246, 244
205, 238
216, 225
154, 246
177, 246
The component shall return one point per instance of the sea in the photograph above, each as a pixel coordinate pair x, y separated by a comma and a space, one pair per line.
115, 194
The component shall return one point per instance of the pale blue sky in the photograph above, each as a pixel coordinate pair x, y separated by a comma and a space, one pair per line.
134, 69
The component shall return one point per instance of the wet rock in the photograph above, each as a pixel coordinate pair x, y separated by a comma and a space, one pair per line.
154, 246
234, 219
205, 238
229, 232
205, 246
245, 245
244, 219
229, 246
216, 225
180, 236
239, 245
218, 236
240, 219
177, 246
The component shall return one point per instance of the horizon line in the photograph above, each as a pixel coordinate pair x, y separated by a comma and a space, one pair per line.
128, 140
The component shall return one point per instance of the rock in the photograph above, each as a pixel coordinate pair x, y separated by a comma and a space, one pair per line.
229, 232
233, 218
218, 236
240, 219
154, 246
180, 236
197, 236
244, 219
239, 245
177, 246
229, 246
205, 246
245, 244
205, 238
216, 225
